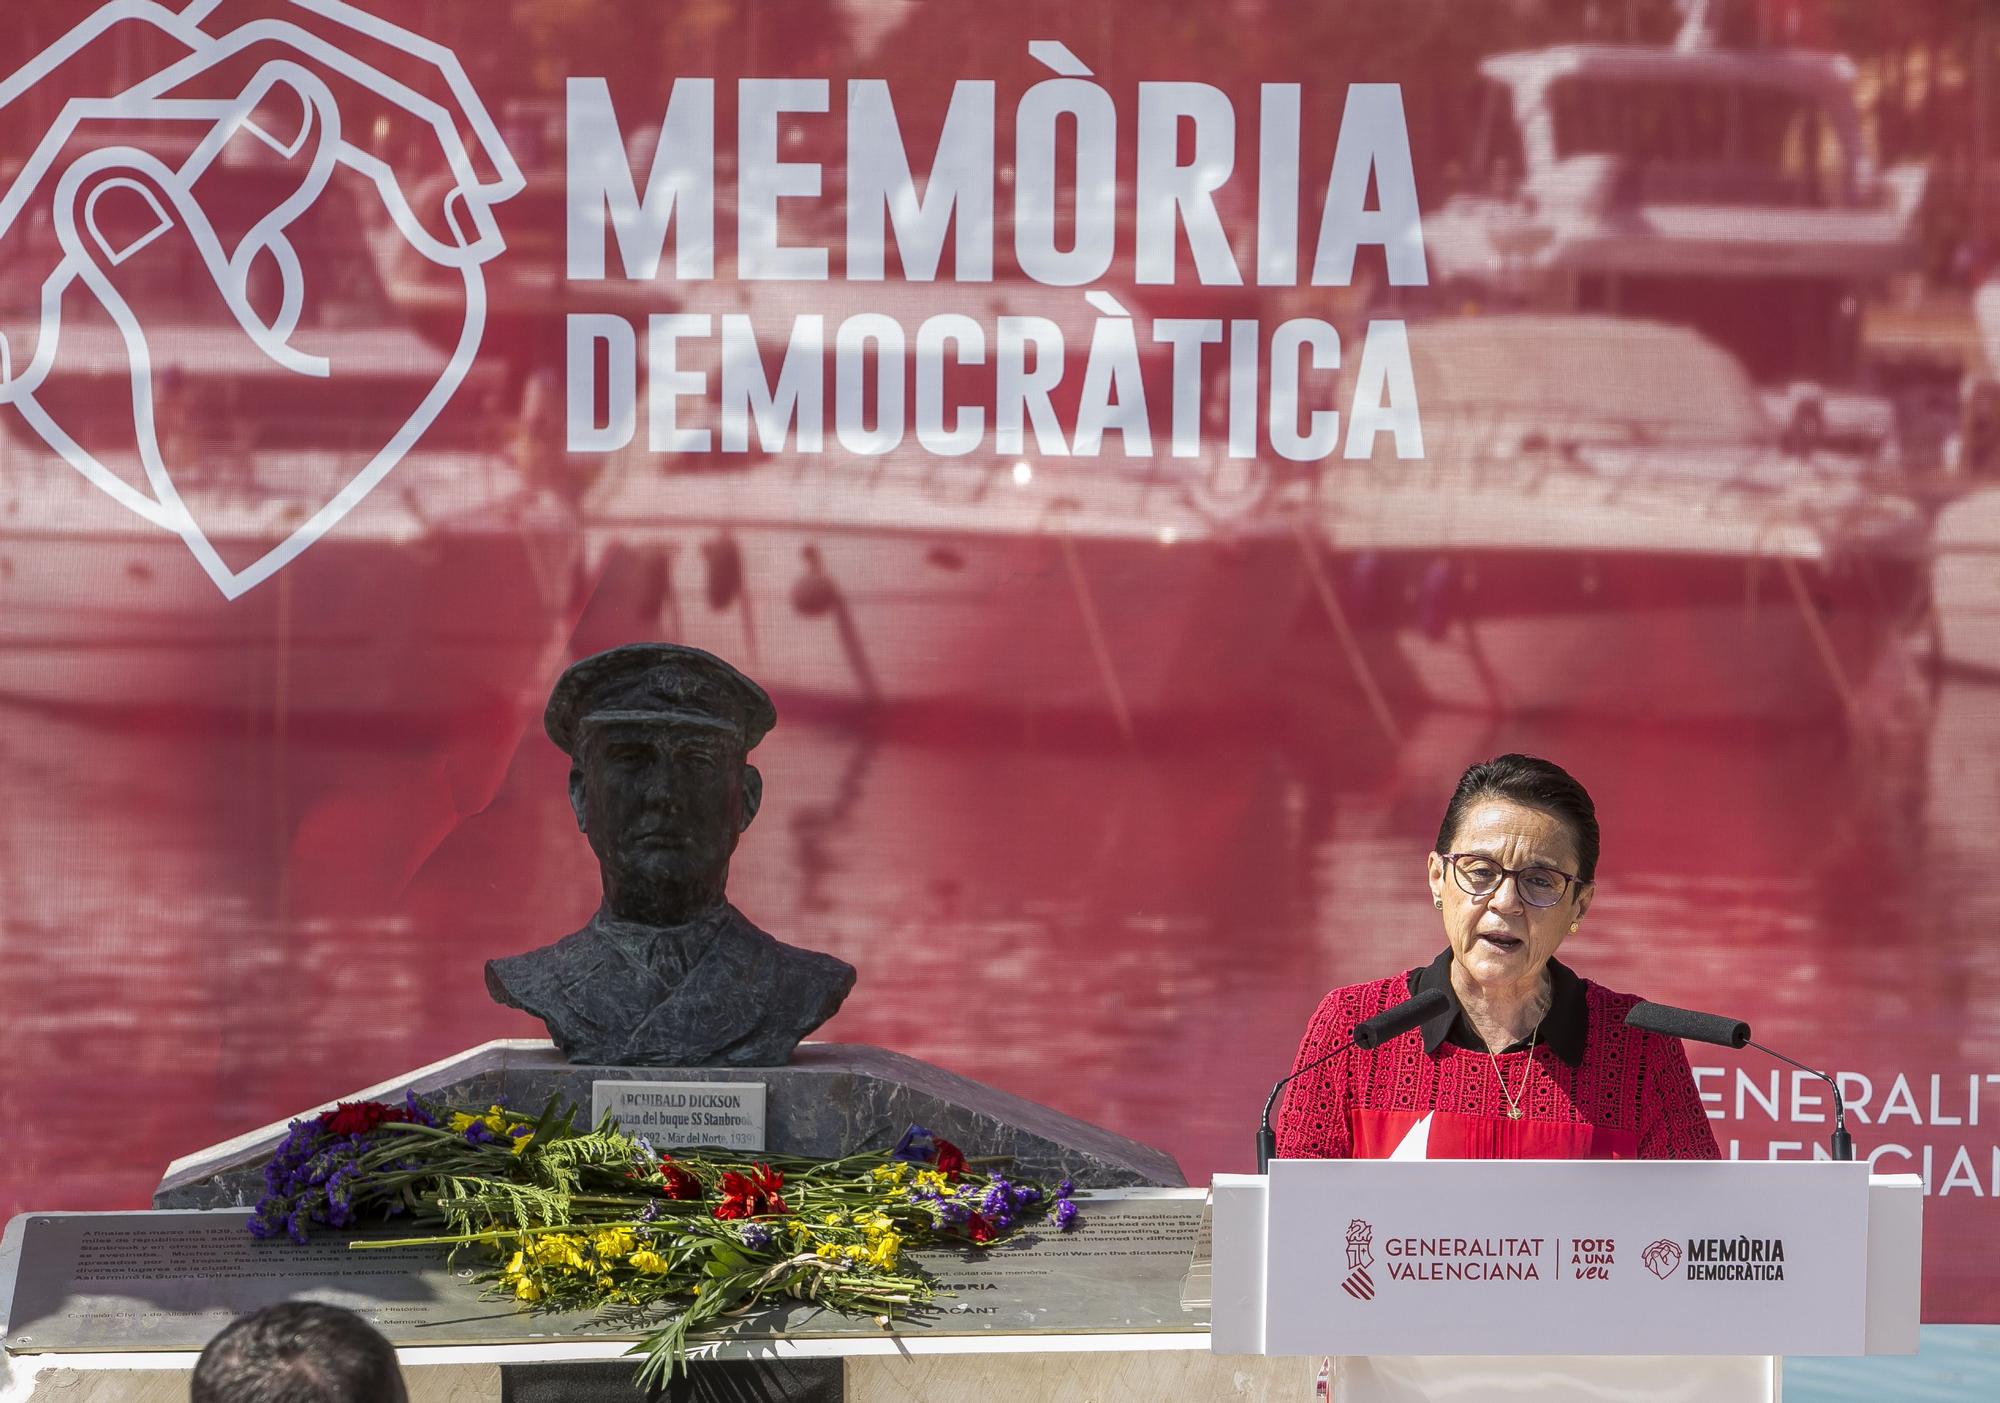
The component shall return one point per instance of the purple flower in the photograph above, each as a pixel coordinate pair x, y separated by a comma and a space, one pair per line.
419, 1112
478, 1134
1066, 1188
1066, 1215
755, 1236
909, 1150
311, 1179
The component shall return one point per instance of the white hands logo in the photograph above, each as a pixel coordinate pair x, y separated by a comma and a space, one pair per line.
303, 55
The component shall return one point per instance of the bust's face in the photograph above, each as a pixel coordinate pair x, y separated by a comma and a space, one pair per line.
663, 804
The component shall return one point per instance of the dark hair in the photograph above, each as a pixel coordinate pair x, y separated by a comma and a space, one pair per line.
298, 1352
1536, 784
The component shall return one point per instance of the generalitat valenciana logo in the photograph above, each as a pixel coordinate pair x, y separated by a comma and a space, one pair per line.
1360, 1256
125, 213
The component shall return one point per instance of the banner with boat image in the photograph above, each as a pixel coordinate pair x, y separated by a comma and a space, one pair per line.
1146, 452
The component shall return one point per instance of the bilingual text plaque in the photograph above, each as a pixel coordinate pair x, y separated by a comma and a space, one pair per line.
684, 1114
171, 1280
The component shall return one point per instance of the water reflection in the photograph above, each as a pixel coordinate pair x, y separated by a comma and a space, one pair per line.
207, 936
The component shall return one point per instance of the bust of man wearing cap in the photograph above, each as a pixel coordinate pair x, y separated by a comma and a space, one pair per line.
667, 973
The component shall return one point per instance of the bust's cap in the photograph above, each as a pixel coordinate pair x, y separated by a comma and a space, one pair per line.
662, 682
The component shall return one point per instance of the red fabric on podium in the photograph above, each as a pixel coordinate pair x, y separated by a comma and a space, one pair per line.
1632, 1095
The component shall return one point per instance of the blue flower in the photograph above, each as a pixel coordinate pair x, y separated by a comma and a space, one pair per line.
419, 1112
755, 1236
908, 1150
1066, 1215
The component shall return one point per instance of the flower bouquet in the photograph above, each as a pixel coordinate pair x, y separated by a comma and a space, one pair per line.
596, 1219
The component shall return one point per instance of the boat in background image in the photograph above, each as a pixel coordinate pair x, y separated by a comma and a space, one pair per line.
1725, 188
1036, 587
1605, 521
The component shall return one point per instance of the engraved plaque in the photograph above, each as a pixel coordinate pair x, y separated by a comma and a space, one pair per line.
676, 1114
171, 1280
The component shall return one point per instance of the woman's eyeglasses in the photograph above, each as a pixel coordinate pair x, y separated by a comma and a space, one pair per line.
1482, 876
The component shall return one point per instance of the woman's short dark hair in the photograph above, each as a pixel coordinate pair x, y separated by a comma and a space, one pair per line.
298, 1352
1536, 784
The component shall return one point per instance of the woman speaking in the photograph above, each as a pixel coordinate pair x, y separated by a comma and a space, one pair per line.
1527, 1060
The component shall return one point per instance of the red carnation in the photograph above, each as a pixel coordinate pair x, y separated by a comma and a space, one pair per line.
678, 1182
950, 1160
751, 1195
360, 1117
981, 1228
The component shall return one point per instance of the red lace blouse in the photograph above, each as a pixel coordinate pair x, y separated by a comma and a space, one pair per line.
1631, 1095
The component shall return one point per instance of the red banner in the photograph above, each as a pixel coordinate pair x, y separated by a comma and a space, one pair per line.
1146, 452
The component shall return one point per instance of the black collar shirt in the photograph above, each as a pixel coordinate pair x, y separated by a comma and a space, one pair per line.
1563, 1027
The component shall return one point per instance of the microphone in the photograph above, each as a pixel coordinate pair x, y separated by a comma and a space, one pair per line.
1686, 1023
1732, 1032
1369, 1034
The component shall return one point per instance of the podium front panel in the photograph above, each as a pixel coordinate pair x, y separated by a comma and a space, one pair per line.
1566, 1257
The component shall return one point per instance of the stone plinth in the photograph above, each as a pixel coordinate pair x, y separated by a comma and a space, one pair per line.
1184, 1371
831, 1099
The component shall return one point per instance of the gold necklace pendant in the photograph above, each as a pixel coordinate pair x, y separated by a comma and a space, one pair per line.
1514, 1108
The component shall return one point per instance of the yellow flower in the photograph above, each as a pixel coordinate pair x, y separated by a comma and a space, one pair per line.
832, 1220
892, 1173
557, 1250
613, 1243
649, 1262
495, 1120
517, 1264
886, 1251
827, 1251
526, 1289
931, 1180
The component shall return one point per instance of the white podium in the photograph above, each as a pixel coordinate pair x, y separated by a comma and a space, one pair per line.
1565, 1279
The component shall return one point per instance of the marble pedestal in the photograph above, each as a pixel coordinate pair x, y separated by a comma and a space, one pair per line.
1139, 1369
830, 1099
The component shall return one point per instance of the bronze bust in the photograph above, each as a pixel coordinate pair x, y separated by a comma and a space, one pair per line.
667, 973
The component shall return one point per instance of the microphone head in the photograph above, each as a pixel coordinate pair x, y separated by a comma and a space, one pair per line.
1686, 1023
1371, 1033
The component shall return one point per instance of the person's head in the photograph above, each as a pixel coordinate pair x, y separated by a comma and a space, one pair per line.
1515, 866
298, 1352
657, 736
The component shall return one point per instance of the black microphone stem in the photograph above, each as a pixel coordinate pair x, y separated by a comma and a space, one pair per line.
1842, 1142
1267, 1138
1369, 1034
